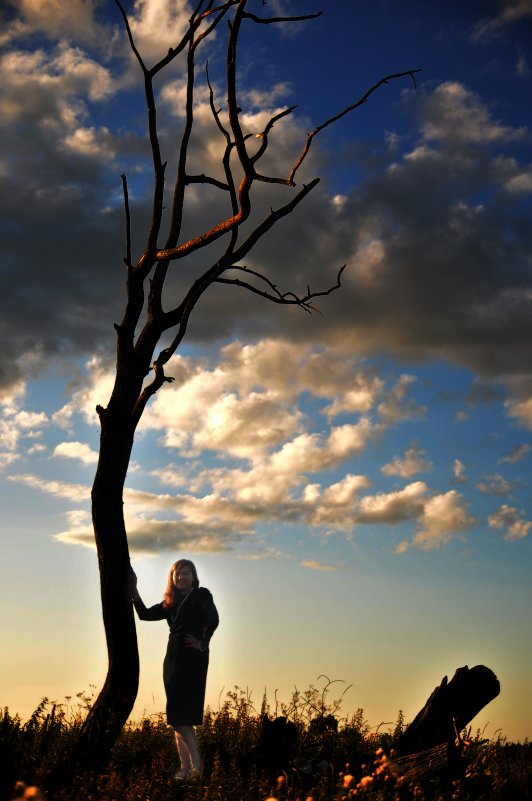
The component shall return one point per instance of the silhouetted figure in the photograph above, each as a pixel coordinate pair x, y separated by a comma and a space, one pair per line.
192, 618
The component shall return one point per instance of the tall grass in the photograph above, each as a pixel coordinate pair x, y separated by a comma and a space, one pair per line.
336, 758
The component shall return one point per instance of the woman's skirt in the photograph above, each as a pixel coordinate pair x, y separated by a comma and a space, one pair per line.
185, 678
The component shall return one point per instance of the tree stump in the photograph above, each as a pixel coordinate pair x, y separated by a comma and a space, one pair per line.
431, 742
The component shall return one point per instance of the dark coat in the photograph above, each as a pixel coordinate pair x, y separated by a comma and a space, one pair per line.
185, 668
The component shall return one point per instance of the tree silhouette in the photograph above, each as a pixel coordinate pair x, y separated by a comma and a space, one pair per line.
140, 362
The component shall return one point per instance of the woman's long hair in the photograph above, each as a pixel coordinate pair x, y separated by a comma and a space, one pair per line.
171, 593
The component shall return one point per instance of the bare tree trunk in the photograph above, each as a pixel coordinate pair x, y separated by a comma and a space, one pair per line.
115, 702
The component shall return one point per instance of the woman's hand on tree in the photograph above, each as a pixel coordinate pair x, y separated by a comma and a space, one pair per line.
133, 584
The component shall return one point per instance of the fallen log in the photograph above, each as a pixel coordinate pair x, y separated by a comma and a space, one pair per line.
444, 761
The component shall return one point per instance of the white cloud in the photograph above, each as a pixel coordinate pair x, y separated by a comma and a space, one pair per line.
60, 489
516, 454
146, 536
171, 476
90, 142
76, 450
510, 518
95, 390
397, 406
336, 506
58, 19
520, 409
249, 404
455, 114
459, 475
511, 12
17, 425
312, 564
393, 507
50, 85
494, 485
7, 458
261, 553
443, 519
157, 25
412, 462
521, 183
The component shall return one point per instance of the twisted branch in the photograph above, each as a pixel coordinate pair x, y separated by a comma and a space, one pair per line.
275, 295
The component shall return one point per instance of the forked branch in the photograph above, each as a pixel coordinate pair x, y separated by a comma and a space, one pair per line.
273, 293
227, 269
352, 107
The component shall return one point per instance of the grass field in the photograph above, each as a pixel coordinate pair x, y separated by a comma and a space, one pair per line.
327, 756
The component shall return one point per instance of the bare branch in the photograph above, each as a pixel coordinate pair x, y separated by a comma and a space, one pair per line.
274, 216
127, 259
130, 36
270, 20
234, 110
159, 379
264, 135
204, 179
195, 22
339, 116
274, 294
228, 146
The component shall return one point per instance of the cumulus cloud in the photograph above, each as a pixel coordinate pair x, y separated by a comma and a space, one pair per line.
516, 454
456, 115
397, 406
508, 517
495, 485
521, 409
444, 518
76, 450
17, 426
412, 285
393, 507
511, 12
459, 472
147, 536
157, 25
444, 279
73, 20
413, 462
245, 404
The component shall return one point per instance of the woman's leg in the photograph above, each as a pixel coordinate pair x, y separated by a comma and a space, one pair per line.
186, 738
184, 753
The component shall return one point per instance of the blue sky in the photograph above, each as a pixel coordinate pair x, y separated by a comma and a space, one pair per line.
353, 485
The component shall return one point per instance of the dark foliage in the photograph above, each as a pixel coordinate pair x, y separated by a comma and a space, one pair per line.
311, 754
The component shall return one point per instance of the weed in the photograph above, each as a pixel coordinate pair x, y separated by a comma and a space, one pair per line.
333, 758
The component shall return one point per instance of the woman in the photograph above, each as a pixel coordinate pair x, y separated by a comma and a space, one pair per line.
192, 617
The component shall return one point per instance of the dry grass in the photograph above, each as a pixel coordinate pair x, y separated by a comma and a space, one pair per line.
335, 758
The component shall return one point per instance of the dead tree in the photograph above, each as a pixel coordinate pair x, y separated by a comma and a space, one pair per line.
140, 366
